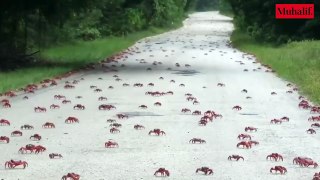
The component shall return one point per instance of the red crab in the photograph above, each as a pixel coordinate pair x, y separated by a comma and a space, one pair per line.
53, 155
281, 169
12, 164
16, 133
157, 132
250, 129
162, 172
4, 138
274, 156
111, 144
48, 125
185, 110
4, 122
71, 176
35, 137
197, 140
40, 109
238, 108
70, 120
138, 127
54, 106
205, 170
236, 157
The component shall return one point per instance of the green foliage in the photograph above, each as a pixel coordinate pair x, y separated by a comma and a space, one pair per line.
167, 12
257, 17
298, 62
29, 26
68, 56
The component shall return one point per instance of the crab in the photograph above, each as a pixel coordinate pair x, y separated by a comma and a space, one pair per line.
281, 169
181, 85
98, 90
32, 148
125, 84
122, 116
221, 85
275, 121
66, 101
54, 106
138, 127
185, 110
111, 144
12, 164
162, 171
35, 137
311, 131
4, 138
315, 125
68, 86
6, 105
150, 84
197, 140
143, 106
274, 156
169, 92
53, 155
114, 130
59, 97
71, 119
202, 122
314, 118
137, 85
244, 136
244, 144
79, 107
285, 118
71, 176
305, 162
48, 125
40, 109
26, 126
196, 102
4, 122
250, 129
157, 104
106, 107
16, 133
117, 125
205, 170
157, 132
236, 157
237, 107
102, 98
111, 120
196, 112
244, 91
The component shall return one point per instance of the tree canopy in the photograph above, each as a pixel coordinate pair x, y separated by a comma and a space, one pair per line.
257, 17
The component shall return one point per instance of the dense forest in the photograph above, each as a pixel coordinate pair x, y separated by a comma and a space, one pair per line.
28, 26
257, 18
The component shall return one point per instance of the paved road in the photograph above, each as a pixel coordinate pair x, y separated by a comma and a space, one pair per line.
203, 43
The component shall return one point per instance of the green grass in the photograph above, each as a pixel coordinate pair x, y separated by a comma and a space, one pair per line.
68, 56
297, 62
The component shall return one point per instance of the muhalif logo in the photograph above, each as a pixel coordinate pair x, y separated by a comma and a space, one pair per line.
294, 11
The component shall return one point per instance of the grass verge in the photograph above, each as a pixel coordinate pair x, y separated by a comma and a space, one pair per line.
68, 56
297, 62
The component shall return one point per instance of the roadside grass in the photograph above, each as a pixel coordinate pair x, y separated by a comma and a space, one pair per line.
297, 62
64, 57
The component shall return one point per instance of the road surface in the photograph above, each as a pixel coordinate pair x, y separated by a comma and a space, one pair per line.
204, 44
